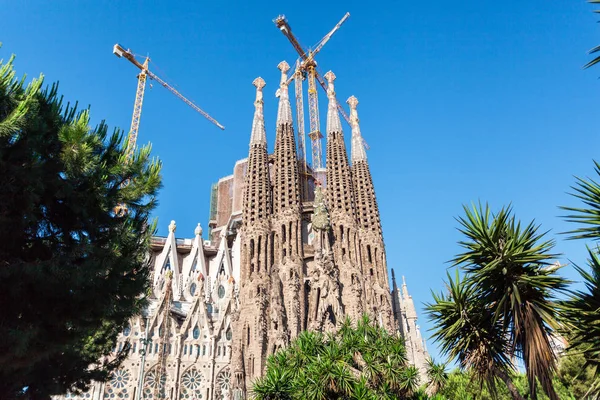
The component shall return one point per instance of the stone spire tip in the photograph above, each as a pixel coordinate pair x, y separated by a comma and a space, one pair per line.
333, 118
284, 113
172, 226
198, 230
259, 83
258, 135
352, 102
330, 77
358, 145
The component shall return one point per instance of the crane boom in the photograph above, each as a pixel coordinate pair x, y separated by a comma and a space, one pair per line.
120, 51
309, 65
186, 101
326, 38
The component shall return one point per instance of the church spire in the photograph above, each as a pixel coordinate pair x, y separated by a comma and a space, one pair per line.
257, 193
358, 146
333, 117
258, 135
284, 113
368, 211
339, 182
286, 185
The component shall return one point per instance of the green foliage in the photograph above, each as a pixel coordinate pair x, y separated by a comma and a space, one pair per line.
364, 362
437, 376
509, 266
575, 375
581, 311
467, 331
597, 48
505, 305
72, 272
461, 385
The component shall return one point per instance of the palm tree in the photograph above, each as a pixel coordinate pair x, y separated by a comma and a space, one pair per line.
466, 330
509, 268
362, 362
438, 376
582, 310
597, 48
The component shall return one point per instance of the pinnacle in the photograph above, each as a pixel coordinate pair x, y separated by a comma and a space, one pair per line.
333, 118
358, 152
284, 112
258, 135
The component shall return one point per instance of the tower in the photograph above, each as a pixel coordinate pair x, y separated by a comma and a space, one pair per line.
406, 317
340, 200
275, 263
250, 342
287, 276
372, 251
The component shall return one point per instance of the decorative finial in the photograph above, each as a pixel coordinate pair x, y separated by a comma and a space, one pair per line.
353, 102
333, 118
284, 113
330, 77
258, 135
403, 281
358, 144
284, 67
172, 226
198, 230
260, 84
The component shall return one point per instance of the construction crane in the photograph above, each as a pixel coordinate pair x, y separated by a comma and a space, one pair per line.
120, 51
307, 66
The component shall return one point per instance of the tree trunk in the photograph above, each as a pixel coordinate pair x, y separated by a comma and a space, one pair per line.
510, 385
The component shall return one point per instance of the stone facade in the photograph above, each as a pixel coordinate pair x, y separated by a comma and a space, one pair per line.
279, 259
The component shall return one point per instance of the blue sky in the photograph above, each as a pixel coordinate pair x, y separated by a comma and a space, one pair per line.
459, 102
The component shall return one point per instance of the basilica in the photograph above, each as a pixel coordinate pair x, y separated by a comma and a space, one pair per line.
287, 249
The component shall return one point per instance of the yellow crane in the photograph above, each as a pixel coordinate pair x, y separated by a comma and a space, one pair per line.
120, 51
164, 339
307, 66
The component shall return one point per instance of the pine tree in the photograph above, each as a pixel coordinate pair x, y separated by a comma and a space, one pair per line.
72, 272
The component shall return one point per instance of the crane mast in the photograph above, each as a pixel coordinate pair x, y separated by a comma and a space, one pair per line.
300, 117
308, 65
145, 73
315, 126
137, 111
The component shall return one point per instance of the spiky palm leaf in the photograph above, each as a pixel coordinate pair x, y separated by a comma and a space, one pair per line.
362, 362
466, 330
597, 48
510, 267
588, 191
582, 313
437, 375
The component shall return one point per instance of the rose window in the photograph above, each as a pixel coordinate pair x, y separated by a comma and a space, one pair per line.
191, 385
119, 379
224, 379
151, 383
